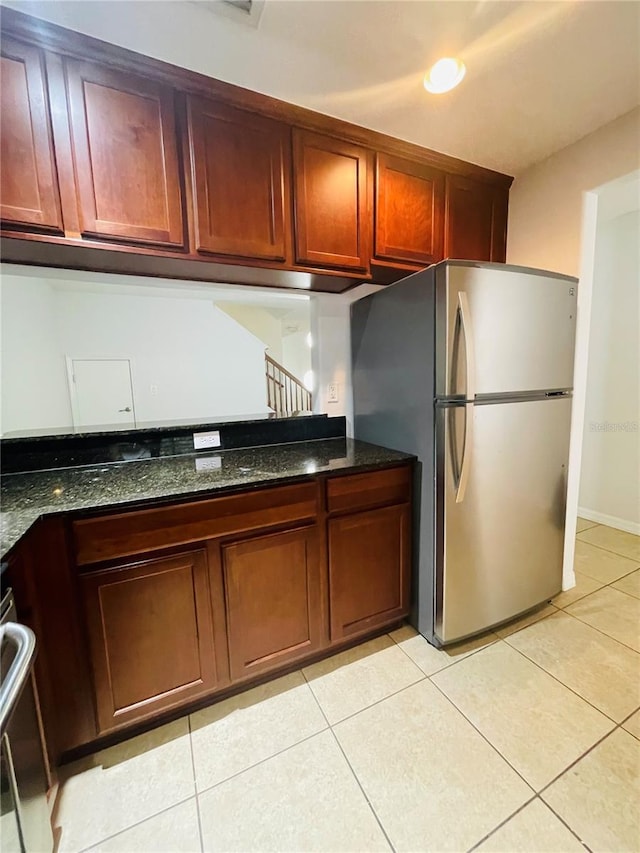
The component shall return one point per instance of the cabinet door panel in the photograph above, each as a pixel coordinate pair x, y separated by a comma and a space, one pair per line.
126, 166
272, 589
368, 569
28, 181
151, 636
240, 164
332, 229
476, 220
409, 219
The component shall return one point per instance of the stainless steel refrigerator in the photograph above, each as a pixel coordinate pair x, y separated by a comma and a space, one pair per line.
470, 366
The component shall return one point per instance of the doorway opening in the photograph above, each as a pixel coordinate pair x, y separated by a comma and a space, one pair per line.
604, 461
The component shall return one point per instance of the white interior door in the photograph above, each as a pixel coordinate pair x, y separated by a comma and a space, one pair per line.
101, 392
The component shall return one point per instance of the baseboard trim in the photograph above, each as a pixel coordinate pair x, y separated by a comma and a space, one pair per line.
609, 520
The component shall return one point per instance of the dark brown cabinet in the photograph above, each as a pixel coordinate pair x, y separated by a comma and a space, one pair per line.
116, 162
476, 220
155, 609
368, 569
28, 180
273, 600
151, 636
240, 167
409, 211
369, 550
125, 156
332, 227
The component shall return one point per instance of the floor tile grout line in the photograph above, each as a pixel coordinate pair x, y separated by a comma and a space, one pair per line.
608, 550
599, 630
588, 624
604, 583
261, 761
564, 821
451, 663
422, 678
502, 823
355, 775
592, 524
626, 719
537, 794
483, 736
137, 823
195, 785
364, 793
555, 678
584, 755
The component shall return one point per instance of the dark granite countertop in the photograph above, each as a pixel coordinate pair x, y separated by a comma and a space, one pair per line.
27, 496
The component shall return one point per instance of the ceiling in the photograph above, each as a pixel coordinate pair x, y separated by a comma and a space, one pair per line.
540, 75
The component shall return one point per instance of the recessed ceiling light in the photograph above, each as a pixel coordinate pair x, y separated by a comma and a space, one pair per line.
444, 75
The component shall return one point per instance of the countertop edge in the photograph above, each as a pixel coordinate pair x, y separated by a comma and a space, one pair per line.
32, 517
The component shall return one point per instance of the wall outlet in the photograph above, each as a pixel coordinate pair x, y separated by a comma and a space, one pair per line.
208, 463
203, 440
332, 392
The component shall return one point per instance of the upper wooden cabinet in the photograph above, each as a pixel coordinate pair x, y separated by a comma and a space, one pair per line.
125, 156
149, 169
240, 168
476, 217
409, 221
332, 227
28, 181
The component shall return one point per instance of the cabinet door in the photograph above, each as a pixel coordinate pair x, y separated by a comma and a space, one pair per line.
240, 171
151, 636
476, 220
331, 222
409, 220
273, 601
28, 182
369, 568
126, 166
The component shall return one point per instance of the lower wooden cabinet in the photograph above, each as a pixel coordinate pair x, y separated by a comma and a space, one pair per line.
273, 600
151, 636
180, 603
369, 569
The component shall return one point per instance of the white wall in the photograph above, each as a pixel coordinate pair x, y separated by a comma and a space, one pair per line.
202, 363
260, 323
610, 476
545, 203
331, 353
35, 393
199, 361
296, 354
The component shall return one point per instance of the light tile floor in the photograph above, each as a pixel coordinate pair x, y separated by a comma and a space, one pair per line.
525, 739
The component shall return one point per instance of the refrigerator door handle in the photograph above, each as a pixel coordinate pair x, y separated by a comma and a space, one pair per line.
466, 453
469, 347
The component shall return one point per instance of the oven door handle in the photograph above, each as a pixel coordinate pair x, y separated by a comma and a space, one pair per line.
25, 641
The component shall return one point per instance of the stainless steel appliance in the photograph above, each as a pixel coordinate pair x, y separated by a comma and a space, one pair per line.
470, 366
25, 825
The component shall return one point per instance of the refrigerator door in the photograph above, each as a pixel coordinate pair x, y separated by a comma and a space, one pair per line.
502, 330
500, 504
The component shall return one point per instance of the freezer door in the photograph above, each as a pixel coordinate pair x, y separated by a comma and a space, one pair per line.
502, 330
500, 505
